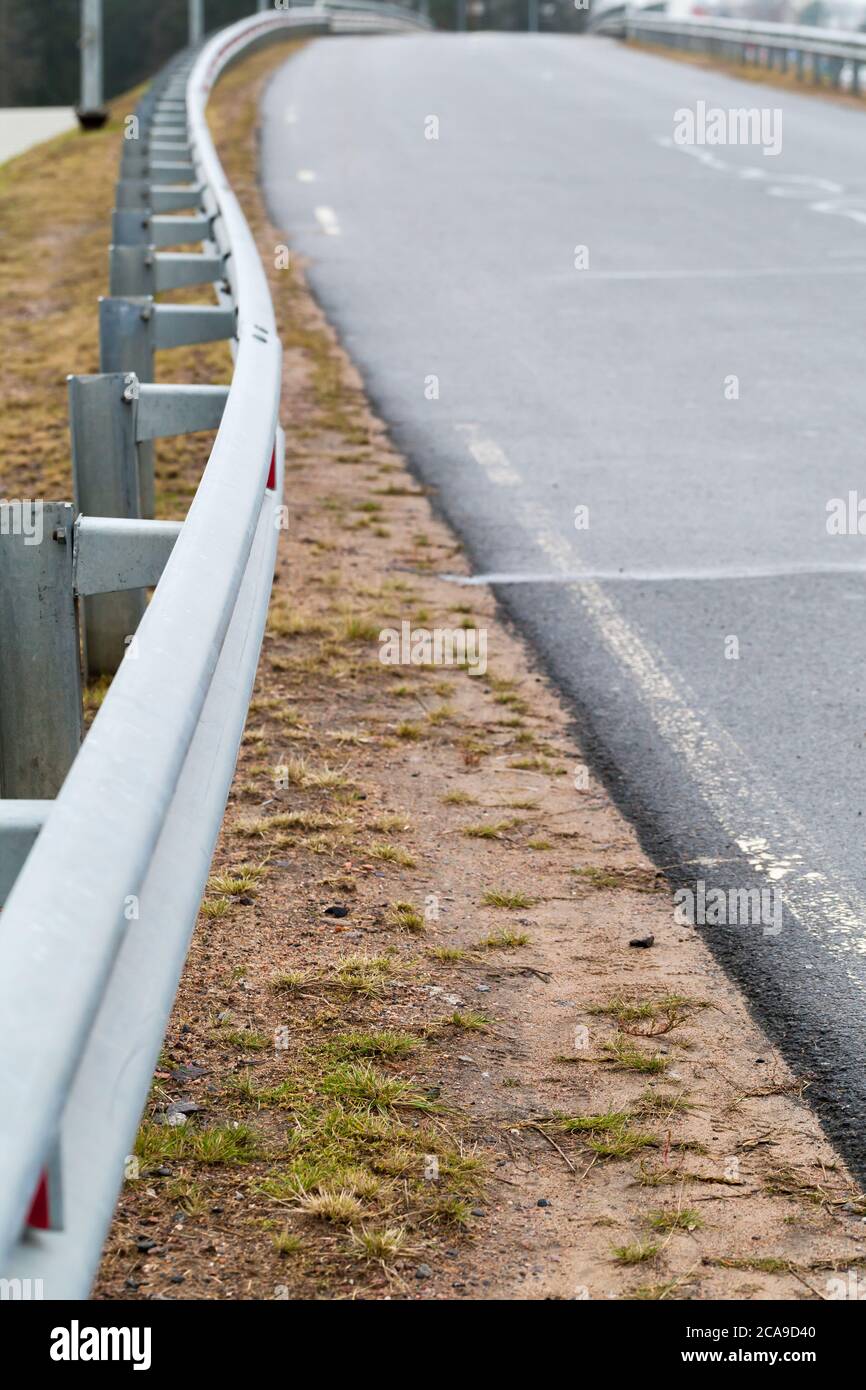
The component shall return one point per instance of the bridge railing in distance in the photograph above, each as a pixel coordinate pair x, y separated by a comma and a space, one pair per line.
824, 57
106, 844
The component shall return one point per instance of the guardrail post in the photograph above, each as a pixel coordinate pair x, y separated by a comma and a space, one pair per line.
102, 415
126, 344
40, 673
126, 336
131, 270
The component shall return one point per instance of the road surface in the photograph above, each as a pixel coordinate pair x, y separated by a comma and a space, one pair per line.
669, 336
22, 127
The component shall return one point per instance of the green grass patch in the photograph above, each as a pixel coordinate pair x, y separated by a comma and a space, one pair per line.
495, 897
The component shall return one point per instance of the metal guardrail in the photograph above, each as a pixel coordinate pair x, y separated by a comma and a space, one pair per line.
102, 882
608, 19
831, 56
350, 16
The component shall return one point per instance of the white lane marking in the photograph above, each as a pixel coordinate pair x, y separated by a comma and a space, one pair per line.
306, 176
327, 220
759, 273
781, 185
491, 458
747, 807
854, 213
664, 576
749, 810
840, 203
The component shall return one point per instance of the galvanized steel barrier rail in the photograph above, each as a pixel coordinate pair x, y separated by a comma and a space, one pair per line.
105, 845
823, 56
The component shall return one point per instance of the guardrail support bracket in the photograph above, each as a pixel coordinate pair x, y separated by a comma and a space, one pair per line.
140, 227
112, 555
159, 197
144, 270
133, 327
164, 411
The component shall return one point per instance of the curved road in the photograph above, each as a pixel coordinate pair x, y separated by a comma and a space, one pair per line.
694, 379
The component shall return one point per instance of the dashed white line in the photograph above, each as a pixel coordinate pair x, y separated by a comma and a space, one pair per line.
490, 456
327, 220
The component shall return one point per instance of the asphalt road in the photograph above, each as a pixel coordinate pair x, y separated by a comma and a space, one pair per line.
607, 387
22, 127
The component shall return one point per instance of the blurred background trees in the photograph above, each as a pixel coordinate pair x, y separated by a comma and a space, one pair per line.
39, 44
39, 38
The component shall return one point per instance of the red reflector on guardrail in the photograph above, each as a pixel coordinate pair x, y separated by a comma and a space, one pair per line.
46, 1208
39, 1216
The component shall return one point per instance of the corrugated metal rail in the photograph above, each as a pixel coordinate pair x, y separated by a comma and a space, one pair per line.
832, 57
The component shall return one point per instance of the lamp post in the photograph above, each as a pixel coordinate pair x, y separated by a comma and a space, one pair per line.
91, 111
196, 21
